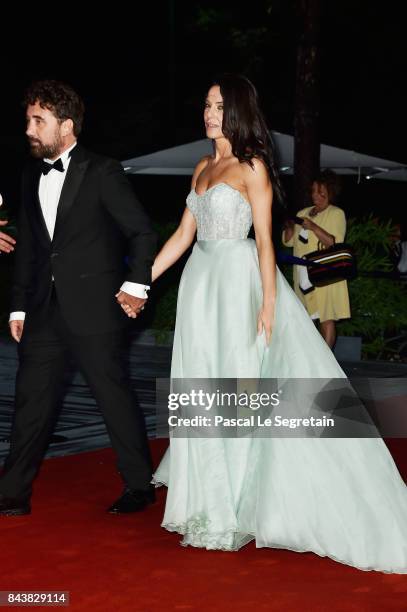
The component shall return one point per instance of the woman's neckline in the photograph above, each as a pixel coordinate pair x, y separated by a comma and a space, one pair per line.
200, 195
319, 212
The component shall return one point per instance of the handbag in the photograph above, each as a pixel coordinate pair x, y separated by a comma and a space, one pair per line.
331, 265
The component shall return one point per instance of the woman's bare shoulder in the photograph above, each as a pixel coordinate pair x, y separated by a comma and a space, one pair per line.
255, 173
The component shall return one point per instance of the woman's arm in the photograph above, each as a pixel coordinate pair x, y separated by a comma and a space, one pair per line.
260, 195
288, 234
176, 245
323, 236
183, 236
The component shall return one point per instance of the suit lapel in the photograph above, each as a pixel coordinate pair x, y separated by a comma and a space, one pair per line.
75, 173
35, 207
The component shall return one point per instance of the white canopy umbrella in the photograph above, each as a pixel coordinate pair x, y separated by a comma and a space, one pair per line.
399, 174
181, 160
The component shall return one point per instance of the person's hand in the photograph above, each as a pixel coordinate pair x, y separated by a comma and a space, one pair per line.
265, 321
131, 305
308, 223
6, 241
289, 224
16, 329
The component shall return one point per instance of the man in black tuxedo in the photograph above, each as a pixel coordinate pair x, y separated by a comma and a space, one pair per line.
78, 220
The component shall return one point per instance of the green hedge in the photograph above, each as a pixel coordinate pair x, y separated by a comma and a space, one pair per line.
378, 305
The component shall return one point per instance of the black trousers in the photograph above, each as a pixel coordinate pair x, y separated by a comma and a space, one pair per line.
43, 355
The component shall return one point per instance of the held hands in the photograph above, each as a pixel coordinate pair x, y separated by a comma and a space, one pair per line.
265, 321
131, 305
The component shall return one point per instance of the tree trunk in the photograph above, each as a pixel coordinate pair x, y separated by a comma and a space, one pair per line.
306, 133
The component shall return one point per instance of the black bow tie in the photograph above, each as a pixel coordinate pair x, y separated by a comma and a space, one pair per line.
46, 167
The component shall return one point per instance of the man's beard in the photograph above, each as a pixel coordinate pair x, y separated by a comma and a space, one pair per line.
49, 151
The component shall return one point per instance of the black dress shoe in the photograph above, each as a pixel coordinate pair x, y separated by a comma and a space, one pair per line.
14, 507
132, 500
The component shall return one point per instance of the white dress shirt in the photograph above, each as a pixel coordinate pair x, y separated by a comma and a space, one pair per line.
49, 192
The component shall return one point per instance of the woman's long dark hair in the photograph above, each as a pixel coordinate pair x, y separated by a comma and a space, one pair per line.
245, 127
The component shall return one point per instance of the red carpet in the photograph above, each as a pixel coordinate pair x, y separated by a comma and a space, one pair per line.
128, 563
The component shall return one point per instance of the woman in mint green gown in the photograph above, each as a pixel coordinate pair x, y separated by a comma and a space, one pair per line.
237, 317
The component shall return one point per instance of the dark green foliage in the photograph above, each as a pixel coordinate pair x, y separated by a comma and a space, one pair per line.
378, 304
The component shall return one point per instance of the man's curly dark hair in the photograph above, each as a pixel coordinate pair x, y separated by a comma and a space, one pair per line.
59, 98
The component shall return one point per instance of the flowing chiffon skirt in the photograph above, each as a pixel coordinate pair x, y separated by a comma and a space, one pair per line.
338, 497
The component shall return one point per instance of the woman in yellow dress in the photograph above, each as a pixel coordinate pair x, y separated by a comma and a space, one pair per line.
323, 223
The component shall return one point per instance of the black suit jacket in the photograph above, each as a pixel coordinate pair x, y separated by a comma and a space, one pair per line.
99, 222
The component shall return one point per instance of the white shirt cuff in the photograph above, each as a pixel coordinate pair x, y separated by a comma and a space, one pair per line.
17, 316
135, 289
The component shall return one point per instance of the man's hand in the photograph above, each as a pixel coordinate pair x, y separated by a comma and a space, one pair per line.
16, 329
6, 241
131, 305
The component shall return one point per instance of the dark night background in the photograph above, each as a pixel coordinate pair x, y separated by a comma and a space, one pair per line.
143, 74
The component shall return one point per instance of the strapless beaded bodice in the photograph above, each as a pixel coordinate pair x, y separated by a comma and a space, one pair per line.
220, 212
